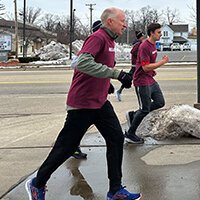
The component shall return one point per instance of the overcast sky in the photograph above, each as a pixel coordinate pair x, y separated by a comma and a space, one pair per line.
62, 7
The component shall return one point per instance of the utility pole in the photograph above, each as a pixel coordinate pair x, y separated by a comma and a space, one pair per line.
71, 29
91, 9
16, 29
24, 28
197, 105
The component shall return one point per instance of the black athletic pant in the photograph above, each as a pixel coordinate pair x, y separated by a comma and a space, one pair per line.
76, 124
150, 98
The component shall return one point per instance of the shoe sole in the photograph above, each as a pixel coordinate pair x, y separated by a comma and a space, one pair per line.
110, 198
27, 187
79, 157
132, 142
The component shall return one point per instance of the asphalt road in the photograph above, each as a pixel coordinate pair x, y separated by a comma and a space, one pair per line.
44, 91
32, 111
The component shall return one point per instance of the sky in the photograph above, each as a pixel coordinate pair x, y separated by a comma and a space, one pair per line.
62, 7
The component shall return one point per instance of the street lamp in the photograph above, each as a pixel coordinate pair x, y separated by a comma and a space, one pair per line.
71, 29
73, 24
197, 105
198, 47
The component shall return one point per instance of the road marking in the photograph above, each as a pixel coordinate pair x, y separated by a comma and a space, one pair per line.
47, 82
177, 79
31, 82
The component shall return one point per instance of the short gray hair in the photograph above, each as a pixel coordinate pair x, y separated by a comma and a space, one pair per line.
109, 13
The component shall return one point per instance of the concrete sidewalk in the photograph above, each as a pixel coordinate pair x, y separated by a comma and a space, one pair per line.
161, 171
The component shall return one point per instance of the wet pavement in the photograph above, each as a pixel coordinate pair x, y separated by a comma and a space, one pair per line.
166, 170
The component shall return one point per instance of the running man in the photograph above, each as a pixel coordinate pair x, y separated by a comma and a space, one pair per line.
149, 94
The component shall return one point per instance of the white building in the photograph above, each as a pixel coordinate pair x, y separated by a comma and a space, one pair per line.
174, 34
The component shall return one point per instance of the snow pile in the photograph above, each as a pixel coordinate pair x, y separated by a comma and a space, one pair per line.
171, 123
57, 51
122, 53
53, 51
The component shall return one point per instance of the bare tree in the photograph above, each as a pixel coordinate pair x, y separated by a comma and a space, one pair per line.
172, 15
131, 16
132, 25
193, 13
63, 29
155, 16
81, 31
146, 16
2, 8
49, 22
138, 21
32, 15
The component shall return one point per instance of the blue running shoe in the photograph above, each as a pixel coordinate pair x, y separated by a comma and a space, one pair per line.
123, 194
33, 192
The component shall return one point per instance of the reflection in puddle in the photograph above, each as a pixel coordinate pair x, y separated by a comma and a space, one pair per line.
79, 187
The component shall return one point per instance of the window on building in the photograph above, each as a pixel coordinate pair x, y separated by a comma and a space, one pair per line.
165, 33
21, 49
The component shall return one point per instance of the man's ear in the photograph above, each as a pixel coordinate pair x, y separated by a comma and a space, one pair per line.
109, 21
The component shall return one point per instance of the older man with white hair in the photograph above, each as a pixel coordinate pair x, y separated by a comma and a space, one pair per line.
87, 104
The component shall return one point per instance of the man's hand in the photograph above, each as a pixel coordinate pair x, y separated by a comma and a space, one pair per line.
165, 59
111, 89
125, 79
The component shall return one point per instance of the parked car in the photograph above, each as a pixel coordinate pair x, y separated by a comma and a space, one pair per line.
175, 47
166, 47
186, 47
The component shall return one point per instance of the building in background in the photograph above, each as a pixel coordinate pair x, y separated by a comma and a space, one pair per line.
176, 34
35, 37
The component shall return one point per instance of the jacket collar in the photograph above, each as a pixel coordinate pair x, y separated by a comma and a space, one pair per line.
110, 33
